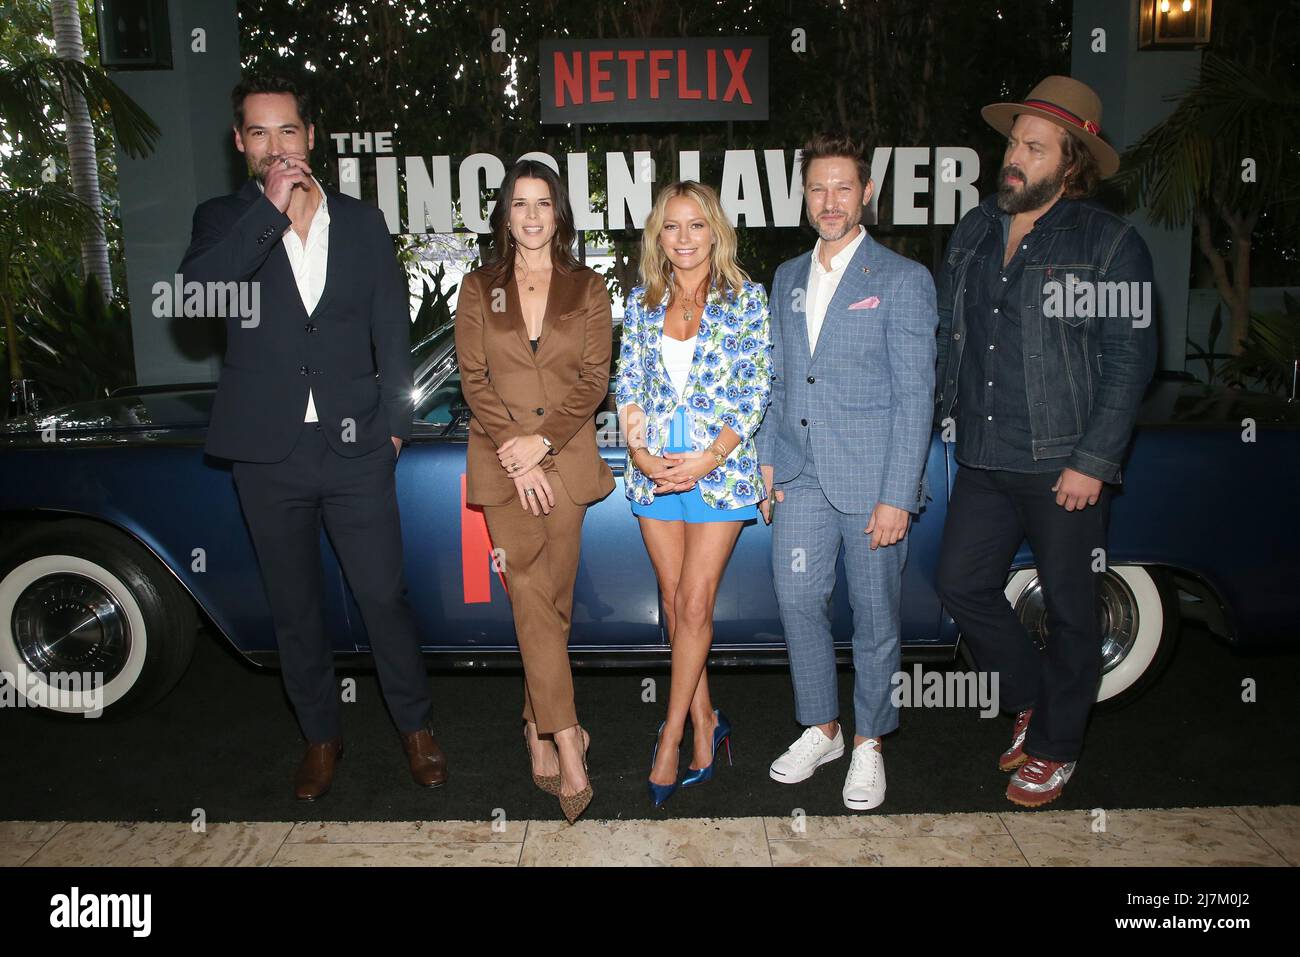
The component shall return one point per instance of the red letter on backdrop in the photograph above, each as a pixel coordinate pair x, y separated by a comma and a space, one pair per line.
599, 75
656, 72
683, 92
632, 58
475, 553
568, 80
713, 74
737, 74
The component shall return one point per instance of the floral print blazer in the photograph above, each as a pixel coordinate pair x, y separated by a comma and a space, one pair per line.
730, 383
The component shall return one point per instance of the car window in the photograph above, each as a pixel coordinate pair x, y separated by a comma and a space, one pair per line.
436, 407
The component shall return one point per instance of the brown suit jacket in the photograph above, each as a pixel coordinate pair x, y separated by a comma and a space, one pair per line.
556, 393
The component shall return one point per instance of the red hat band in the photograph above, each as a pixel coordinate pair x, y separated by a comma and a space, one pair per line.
1086, 125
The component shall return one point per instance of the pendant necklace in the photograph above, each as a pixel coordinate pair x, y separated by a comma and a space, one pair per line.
526, 279
686, 310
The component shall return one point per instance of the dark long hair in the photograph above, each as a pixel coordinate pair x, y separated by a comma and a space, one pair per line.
502, 259
1083, 176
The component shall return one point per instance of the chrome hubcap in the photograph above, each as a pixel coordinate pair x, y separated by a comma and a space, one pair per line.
1116, 610
70, 623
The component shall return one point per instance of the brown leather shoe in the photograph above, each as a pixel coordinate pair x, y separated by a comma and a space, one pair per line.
428, 763
316, 772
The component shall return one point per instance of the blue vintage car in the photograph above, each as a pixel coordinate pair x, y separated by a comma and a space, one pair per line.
118, 537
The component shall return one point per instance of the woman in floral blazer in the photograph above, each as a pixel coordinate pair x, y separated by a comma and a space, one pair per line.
692, 384
729, 386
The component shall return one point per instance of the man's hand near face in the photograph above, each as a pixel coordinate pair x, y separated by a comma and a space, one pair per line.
283, 173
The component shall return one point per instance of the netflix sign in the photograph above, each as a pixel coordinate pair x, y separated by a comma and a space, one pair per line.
654, 80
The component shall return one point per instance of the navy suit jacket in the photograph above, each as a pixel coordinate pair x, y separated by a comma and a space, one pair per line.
352, 351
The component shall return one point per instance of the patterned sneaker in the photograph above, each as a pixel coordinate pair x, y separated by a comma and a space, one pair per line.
1014, 756
1038, 781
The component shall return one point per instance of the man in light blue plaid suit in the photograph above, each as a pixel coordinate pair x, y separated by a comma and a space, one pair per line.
843, 446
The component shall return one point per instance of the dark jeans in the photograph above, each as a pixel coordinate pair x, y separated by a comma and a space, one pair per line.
990, 513
356, 498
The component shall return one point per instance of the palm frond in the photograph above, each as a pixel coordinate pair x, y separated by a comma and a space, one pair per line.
28, 89
1270, 350
33, 214
1193, 157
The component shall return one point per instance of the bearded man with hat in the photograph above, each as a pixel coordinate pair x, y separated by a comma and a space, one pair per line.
1043, 398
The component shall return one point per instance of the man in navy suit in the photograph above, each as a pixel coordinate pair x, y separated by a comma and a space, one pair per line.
843, 447
312, 407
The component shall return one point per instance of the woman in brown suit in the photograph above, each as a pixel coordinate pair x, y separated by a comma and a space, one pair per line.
533, 339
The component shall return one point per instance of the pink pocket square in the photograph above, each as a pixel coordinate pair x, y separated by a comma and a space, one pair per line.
871, 302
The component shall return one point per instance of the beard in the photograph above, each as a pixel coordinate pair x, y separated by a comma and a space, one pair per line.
832, 232
258, 168
1030, 195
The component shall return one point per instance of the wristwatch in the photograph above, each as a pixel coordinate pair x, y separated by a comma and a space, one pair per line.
550, 449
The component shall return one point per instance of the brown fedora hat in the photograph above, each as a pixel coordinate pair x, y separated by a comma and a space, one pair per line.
1069, 104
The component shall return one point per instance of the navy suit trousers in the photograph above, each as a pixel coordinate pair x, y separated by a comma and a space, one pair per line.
285, 503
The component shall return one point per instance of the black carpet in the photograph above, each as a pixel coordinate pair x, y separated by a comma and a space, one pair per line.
225, 741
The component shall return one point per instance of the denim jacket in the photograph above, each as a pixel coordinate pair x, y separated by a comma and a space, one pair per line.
1085, 372
730, 383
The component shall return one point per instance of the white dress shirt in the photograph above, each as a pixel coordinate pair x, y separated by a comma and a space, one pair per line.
822, 284
308, 262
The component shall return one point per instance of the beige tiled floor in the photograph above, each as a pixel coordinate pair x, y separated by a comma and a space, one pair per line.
1226, 836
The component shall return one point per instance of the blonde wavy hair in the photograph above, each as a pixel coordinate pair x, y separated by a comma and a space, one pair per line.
656, 271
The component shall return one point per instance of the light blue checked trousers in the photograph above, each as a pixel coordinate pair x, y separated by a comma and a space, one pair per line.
807, 535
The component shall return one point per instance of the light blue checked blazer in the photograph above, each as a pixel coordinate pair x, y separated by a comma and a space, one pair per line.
863, 401
728, 385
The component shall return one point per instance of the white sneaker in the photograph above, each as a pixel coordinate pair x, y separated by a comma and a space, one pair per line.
864, 787
811, 751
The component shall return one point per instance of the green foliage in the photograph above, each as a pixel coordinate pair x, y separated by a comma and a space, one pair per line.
1194, 158
1271, 350
31, 222
434, 315
1207, 353
31, 217
30, 87
41, 220
79, 347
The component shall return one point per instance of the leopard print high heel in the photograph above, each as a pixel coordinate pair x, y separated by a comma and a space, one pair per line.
574, 804
550, 783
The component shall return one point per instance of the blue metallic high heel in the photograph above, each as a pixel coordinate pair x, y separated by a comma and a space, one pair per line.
659, 793
721, 733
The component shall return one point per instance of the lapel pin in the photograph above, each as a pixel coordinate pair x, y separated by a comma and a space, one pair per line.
865, 270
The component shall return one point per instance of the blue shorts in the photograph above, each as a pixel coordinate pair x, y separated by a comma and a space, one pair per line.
688, 506
691, 507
